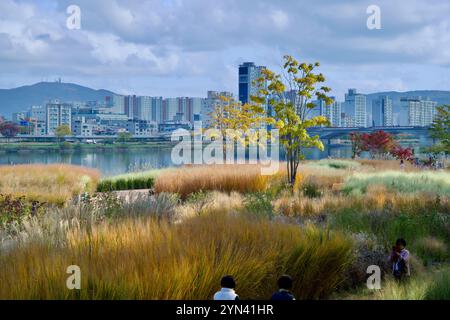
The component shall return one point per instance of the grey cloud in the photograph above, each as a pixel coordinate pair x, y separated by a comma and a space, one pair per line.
159, 43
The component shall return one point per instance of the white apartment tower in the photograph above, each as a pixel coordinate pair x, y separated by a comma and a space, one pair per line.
58, 114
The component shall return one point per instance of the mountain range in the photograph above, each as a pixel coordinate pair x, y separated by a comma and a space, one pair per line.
21, 98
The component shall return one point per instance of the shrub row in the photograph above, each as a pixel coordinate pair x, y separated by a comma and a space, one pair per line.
125, 184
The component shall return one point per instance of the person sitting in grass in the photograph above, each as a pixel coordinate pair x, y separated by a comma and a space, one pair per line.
227, 291
285, 286
400, 260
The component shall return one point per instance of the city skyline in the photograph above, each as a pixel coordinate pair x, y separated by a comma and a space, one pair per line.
146, 116
141, 48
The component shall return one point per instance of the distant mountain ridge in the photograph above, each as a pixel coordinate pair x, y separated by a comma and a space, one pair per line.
21, 98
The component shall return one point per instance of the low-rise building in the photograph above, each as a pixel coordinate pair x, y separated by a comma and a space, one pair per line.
142, 128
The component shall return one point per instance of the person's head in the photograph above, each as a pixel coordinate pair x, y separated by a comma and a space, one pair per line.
228, 282
400, 243
285, 282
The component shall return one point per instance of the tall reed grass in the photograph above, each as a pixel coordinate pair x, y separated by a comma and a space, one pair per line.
377, 199
226, 178
142, 259
55, 184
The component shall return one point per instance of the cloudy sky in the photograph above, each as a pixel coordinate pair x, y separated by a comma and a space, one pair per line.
185, 47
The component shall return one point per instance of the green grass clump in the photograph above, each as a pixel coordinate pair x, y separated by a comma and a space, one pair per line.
431, 249
431, 286
129, 181
437, 183
439, 289
388, 226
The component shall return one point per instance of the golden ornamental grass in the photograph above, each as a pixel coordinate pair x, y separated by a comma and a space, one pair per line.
144, 259
226, 178
377, 199
55, 184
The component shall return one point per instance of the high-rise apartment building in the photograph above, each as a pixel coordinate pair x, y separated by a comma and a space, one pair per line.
157, 105
131, 106
421, 112
143, 109
382, 115
170, 110
181, 109
354, 109
118, 104
38, 117
248, 74
195, 109
332, 112
213, 101
58, 114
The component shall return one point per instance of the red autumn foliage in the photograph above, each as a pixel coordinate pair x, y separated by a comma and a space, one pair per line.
378, 143
9, 129
401, 153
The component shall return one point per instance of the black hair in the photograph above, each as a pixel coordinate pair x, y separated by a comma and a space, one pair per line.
401, 241
285, 282
228, 282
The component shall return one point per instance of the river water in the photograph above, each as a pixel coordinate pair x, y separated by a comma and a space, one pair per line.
118, 161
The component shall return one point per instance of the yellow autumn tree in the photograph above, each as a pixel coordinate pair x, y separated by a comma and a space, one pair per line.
239, 122
290, 94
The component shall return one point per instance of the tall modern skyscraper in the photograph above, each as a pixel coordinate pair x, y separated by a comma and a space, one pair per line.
248, 74
382, 115
354, 109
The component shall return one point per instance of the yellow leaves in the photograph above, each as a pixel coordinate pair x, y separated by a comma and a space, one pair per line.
243, 119
280, 124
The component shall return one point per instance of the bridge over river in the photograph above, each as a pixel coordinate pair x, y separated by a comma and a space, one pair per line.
325, 133
329, 133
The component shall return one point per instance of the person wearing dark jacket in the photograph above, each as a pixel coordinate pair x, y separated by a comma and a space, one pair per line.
399, 259
284, 289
